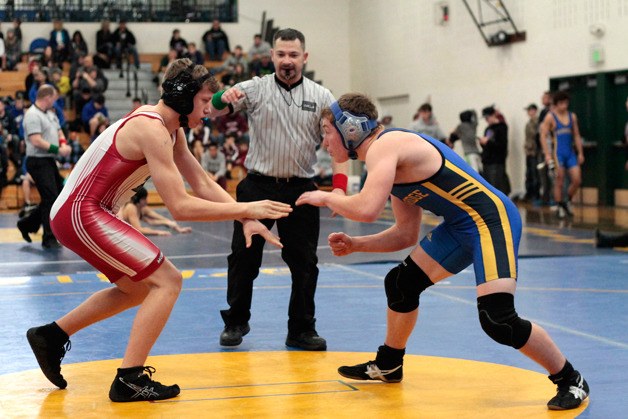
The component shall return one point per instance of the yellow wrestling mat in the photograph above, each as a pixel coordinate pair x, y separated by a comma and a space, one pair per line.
288, 384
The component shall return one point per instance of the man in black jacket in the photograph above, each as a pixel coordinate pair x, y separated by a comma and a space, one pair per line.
124, 44
495, 149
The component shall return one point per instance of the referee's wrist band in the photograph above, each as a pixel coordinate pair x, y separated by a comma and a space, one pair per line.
54, 149
217, 102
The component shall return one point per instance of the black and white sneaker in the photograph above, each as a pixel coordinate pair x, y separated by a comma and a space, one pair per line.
370, 371
48, 355
137, 386
571, 394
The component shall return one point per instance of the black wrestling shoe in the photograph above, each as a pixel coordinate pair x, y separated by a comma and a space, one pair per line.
370, 371
570, 394
21, 225
137, 386
48, 356
232, 335
310, 341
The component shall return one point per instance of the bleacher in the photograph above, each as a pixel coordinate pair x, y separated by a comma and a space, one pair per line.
13, 81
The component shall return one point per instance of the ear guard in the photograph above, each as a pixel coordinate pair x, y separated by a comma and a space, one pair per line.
353, 129
179, 92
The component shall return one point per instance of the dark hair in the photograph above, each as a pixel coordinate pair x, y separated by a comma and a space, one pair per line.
140, 193
100, 99
559, 97
289, 35
426, 107
489, 110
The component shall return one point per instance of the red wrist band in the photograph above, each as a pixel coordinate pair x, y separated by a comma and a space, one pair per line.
339, 181
62, 142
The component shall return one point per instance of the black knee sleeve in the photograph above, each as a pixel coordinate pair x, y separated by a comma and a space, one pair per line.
500, 320
404, 284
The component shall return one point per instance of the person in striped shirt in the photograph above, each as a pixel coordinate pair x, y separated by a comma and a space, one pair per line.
284, 112
481, 226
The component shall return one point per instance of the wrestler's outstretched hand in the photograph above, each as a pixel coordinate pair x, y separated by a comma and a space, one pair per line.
267, 209
252, 227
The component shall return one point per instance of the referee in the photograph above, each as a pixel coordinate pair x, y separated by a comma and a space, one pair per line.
284, 111
44, 140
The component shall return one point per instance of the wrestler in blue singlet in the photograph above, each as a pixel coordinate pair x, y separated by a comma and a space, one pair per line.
481, 225
565, 153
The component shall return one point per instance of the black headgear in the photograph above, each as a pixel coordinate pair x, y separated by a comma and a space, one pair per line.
353, 129
178, 92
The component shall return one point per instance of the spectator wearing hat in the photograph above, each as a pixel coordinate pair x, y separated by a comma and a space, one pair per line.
533, 182
494, 145
263, 67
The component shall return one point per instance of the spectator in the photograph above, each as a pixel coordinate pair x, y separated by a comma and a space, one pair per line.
564, 124
137, 210
546, 173
60, 42
214, 163
234, 123
258, 49
178, 44
231, 151
44, 140
532, 154
494, 150
13, 47
194, 54
94, 113
17, 28
78, 44
216, 42
426, 123
263, 67
166, 60
49, 59
61, 82
229, 66
466, 132
104, 45
124, 45
40, 77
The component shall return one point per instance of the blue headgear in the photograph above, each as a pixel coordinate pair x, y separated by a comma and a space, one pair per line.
353, 129
178, 92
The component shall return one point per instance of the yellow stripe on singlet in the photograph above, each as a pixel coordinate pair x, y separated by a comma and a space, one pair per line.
489, 258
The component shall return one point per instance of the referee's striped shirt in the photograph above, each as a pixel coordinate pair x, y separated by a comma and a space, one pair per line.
284, 125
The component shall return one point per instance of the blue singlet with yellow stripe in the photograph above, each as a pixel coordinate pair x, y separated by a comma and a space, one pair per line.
481, 225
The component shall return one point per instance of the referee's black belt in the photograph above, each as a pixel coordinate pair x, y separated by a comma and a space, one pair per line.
294, 180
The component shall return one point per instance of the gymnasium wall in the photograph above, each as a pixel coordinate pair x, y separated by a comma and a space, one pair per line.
400, 54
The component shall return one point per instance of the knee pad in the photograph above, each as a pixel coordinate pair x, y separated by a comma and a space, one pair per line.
404, 284
500, 320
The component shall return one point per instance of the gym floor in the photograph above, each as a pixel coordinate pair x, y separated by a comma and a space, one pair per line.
578, 293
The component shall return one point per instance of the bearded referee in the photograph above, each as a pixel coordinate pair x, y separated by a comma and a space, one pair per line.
284, 112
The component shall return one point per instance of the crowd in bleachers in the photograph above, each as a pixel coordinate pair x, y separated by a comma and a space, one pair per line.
65, 61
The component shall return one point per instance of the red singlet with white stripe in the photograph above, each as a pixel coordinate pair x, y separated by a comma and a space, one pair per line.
83, 218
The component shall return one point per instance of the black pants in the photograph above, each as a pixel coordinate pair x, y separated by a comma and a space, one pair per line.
299, 236
495, 174
533, 183
49, 183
